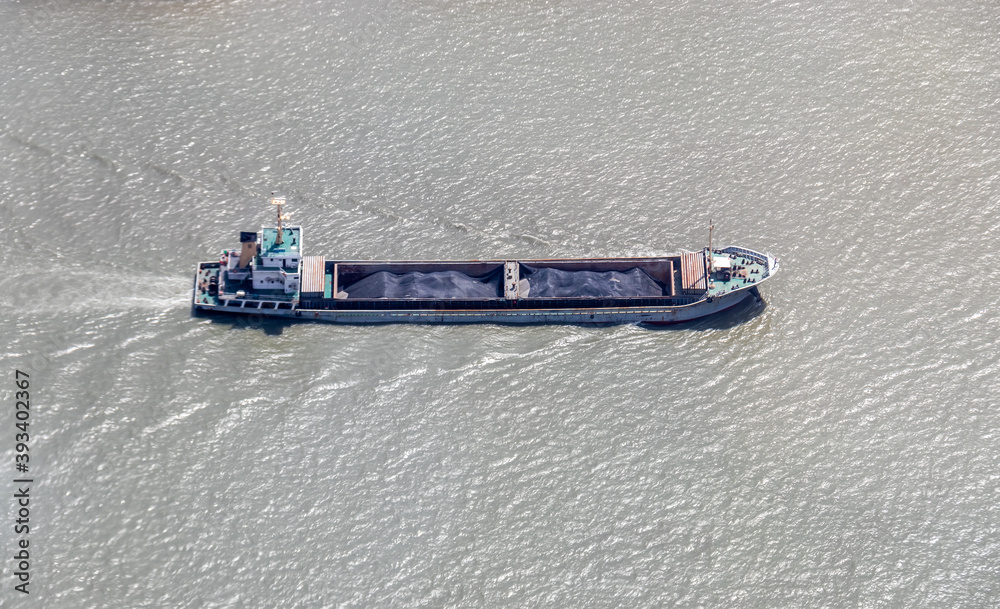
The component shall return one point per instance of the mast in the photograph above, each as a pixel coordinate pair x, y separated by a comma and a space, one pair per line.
279, 202
711, 258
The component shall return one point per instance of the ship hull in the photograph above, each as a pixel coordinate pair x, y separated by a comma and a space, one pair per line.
653, 291
585, 315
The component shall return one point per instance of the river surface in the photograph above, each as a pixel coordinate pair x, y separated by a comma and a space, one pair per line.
836, 446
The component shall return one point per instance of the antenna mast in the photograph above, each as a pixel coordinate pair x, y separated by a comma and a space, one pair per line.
278, 202
711, 258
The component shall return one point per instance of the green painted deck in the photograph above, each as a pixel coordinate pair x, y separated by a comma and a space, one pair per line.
328, 286
746, 272
291, 244
201, 295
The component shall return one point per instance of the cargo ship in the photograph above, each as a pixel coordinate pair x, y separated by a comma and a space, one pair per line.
270, 275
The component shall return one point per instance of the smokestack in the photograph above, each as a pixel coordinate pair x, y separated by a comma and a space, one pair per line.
248, 241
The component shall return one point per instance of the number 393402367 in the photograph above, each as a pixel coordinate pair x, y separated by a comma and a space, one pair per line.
22, 414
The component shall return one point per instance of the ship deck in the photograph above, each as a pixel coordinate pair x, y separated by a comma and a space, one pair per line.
684, 280
746, 272
206, 271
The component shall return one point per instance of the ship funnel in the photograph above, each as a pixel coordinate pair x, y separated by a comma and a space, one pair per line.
248, 243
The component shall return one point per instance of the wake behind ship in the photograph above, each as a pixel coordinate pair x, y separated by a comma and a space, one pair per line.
269, 275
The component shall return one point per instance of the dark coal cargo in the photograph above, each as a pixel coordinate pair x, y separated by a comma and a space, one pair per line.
436, 284
557, 283
541, 283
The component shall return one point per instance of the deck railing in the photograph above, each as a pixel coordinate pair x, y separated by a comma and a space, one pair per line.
757, 257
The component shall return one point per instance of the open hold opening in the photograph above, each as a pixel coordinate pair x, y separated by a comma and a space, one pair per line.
547, 282
432, 284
